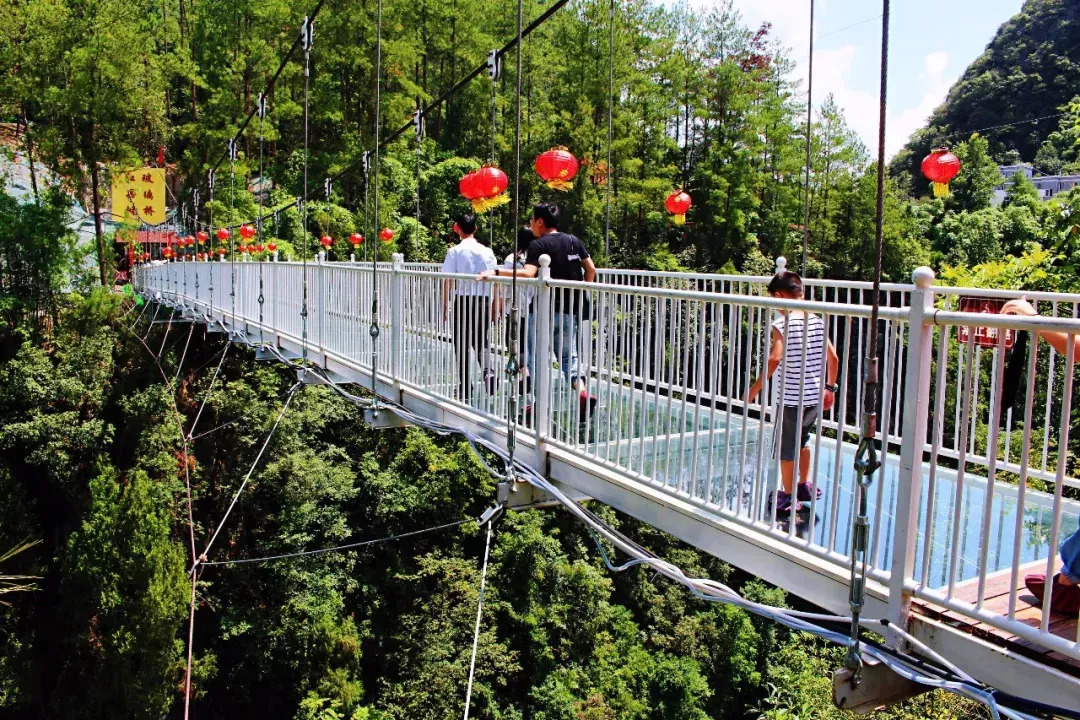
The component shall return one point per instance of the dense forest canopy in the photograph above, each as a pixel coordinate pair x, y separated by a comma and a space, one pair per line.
699, 100
91, 460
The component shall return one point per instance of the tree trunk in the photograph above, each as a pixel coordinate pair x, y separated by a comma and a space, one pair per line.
30, 155
99, 231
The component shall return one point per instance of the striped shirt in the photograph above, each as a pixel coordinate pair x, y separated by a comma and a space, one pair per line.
804, 353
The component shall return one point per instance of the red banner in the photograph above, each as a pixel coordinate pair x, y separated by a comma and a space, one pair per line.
984, 336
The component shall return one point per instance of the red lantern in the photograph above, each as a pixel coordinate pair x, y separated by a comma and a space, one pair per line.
221, 252
271, 246
557, 167
386, 234
202, 236
326, 241
939, 167
223, 234
356, 239
145, 256
247, 232
200, 256
488, 185
166, 253
258, 247
677, 204
468, 187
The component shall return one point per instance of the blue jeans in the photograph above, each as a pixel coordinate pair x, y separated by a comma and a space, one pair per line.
564, 343
1070, 557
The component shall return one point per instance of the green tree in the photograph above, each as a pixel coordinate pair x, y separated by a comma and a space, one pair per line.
973, 187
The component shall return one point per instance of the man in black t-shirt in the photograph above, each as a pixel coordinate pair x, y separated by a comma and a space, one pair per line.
570, 260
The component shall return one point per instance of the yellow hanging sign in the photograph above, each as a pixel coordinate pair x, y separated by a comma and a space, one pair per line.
139, 195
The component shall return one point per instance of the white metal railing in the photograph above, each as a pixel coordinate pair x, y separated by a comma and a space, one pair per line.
670, 358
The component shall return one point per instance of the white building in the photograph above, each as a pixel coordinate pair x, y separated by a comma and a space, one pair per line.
1047, 185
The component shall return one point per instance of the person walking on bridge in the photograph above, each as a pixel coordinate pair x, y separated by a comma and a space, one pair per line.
472, 305
801, 349
1065, 587
503, 306
570, 260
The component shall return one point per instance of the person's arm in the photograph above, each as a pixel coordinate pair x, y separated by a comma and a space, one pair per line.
590, 269
776, 356
529, 271
1058, 340
448, 268
832, 368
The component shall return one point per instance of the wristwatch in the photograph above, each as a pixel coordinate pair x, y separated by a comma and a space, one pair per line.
832, 388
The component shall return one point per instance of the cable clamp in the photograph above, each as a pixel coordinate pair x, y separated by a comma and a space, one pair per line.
494, 65
307, 33
866, 461
262, 106
418, 124
491, 514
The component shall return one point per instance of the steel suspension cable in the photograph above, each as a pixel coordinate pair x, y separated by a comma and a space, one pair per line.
259, 221
479, 615
230, 239
494, 127
512, 364
419, 143
212, 235
610, 113
809, 139
866, 458
374, 329
236, 496
339, 548
307, 38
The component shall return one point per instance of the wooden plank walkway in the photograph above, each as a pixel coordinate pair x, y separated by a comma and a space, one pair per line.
996, 600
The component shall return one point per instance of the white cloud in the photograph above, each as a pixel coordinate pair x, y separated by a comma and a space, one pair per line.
910, 119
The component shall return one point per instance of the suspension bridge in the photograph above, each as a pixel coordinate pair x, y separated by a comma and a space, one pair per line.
955, 521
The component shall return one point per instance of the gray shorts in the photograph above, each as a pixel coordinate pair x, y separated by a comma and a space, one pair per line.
792, 439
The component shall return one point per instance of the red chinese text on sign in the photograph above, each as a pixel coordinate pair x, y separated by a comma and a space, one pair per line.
984, 336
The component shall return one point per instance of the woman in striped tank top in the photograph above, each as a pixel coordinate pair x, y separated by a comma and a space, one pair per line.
799, 350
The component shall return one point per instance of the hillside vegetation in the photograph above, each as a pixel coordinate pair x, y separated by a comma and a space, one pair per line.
1029, 70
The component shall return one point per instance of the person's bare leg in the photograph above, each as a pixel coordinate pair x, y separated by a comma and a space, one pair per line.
787, 474
804, 465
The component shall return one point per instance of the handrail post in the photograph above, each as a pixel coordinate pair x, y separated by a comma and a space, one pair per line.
542, 357
909, 480
397, 328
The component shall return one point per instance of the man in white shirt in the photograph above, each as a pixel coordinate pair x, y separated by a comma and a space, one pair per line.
472, 304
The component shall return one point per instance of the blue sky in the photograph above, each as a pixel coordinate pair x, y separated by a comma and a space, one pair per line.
931, 43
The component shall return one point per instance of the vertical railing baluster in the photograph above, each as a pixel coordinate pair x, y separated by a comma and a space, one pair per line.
909, 480
542, 363
397, 334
